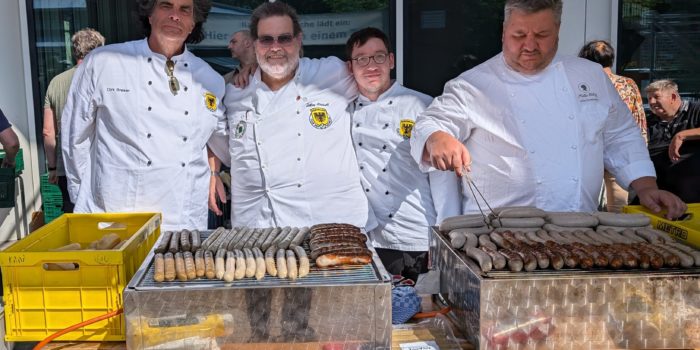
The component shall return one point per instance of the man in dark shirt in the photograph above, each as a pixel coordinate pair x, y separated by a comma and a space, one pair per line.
674, 140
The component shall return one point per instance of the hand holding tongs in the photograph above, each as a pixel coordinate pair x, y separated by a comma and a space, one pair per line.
468, 182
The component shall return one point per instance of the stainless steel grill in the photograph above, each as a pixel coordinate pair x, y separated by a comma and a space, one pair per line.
346, 306
569, 308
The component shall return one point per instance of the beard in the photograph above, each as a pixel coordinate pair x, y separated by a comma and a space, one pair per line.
278, 70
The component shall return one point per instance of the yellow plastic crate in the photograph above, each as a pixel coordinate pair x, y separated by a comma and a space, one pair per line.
40, 302
686, 230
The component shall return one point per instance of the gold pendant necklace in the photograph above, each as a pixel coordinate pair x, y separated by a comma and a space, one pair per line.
169, 69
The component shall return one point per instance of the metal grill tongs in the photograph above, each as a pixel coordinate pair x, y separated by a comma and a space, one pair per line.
468, 182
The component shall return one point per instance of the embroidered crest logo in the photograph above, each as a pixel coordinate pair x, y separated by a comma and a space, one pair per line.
405, 128
240, 129
319, 118
210, 101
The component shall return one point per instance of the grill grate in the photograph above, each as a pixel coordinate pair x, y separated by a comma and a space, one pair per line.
345, 275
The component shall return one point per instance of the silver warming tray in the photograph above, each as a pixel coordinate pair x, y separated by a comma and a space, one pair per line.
338, 308
568, 309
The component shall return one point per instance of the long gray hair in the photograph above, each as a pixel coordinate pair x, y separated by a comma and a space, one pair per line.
532, 6
200, 12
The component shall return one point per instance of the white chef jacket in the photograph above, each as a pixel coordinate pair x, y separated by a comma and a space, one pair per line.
291, 154
538, 140
403, 198
130, 145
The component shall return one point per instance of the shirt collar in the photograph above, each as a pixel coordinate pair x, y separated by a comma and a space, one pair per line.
184, 57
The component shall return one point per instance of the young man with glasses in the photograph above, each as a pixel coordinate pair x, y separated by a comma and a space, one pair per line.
405, 201
138, 117
290, 150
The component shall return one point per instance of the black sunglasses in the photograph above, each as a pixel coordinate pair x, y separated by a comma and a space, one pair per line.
282, 40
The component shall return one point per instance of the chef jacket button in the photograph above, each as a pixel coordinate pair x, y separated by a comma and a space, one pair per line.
384, 170
539, 182
298, 185
148, 135
386, 193
298, 134
298, 97
148, 163
184, 139
357, 125
390, 102
150, 82
573, 147
384, 147
298, 159
359, 144
366, 189
297, 112
361, 104
150, 59
187, 113
267, 190
391, 215
182, 164
362, 167
532, 151
386, 125
185, 88
264, 166
575, 179
259, 143
149, 108
186, 65
571, 116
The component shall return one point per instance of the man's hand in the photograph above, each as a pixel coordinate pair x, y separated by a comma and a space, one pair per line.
216, 191
8, 163
655, 199
675, 146
445, 152
53, 178
242, 77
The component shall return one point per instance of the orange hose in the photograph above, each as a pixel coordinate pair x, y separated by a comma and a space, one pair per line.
76, 326
431, 313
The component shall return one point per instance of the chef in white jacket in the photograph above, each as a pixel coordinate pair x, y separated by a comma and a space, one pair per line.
405, 201
138, 117
538, 127
290, 150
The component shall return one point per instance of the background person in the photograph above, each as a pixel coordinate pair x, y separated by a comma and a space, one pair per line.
138, 117
674, 140
9, 142
601, 52
82, 42
405, 201
539, 127
241, 47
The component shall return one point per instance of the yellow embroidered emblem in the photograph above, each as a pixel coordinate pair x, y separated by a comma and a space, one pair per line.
319, 118
405, 128
210, 101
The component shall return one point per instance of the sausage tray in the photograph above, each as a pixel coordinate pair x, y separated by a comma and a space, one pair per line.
569, 308
348, 307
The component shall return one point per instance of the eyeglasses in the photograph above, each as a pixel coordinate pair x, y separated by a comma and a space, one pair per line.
282, 40
364, 60
169, 69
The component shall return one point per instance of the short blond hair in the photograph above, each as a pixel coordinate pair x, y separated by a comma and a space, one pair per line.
84, 41
662, 85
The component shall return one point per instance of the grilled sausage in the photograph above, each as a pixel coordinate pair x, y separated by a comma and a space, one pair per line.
163, 242
241, 263
303, 261
195, 239
190, 271
220, 263
212, 237
515, 262
270, 261
292, 269
180, 267
159, 268
497, 260
519, 212
281, 263
259, 263
481, 257
300, 236
270, 238
230, 268
185, 244
622, 220
209, 268
485, 241
462, 221
199, 263
174, 246
169, 260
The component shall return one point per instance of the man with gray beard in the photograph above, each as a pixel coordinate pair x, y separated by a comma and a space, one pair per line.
290, 150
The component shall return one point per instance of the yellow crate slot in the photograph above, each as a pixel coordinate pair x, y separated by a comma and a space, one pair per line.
42, 297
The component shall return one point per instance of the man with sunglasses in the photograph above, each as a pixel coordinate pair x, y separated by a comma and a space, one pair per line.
138, 117
290, 150
405, 201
